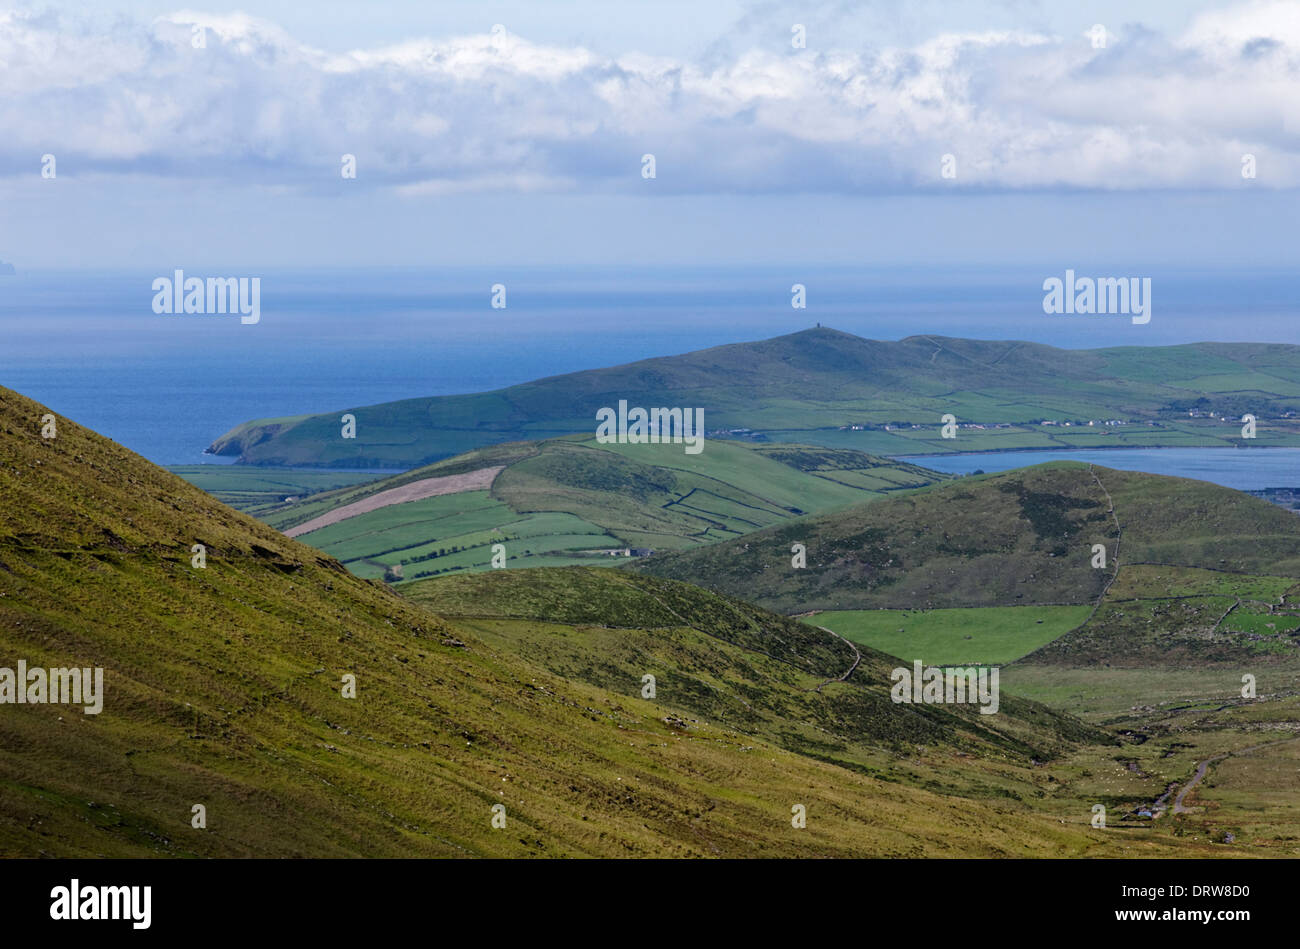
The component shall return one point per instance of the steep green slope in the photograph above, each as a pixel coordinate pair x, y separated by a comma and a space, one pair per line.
819, 384
222, 688
793, 684
1018, 538
572, 501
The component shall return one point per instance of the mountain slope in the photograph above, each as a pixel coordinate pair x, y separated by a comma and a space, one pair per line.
717, 659
222, 688
1018, 538
790, 683
815, 385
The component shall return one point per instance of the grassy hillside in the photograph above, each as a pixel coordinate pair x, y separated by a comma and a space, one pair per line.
1201, 586
723, 660
822, 386
1018, 538
718, 659
222, 688
1201, 595
567, 501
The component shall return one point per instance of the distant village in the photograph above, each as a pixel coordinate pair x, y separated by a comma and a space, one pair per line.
985, 426
1225, 418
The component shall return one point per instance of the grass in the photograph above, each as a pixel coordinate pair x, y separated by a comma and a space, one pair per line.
608, 627
258, 490
1253, 795
1022, 537
560, 501
223, 688
1138, 580
723, 660
989, 636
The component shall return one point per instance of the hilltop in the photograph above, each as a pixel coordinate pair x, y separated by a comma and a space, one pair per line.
823, 386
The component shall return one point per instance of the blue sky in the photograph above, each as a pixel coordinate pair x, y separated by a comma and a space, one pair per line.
523, 145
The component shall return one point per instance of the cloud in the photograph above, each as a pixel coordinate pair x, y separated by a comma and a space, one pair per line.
1018, 110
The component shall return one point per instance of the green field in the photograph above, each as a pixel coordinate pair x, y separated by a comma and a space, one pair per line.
570, 501
989, 635
258, 490
451, 532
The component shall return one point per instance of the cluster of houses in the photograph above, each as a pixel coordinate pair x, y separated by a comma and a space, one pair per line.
1106, 423
988, 426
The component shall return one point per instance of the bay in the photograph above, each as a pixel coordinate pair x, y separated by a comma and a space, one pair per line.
1243, 469
88, 345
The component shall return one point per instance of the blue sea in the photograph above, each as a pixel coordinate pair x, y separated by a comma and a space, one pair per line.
1244, 469
89, 345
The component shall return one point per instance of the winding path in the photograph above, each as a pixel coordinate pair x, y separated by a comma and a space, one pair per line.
1119, 538
857, 659
1202, 767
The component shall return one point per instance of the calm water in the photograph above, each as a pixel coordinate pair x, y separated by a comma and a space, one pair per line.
1245, 469
89, 346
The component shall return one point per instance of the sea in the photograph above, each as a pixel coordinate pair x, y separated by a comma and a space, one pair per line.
1243, 469
88, 344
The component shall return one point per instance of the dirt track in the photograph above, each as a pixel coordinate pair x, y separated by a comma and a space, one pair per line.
1202, 766
1158, 807
479, 480
857, 658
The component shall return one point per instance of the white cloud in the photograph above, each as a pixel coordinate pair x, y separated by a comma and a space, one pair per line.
495, 112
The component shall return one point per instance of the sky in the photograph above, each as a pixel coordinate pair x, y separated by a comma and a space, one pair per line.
1109, 134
